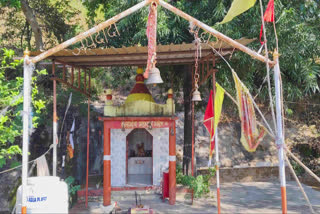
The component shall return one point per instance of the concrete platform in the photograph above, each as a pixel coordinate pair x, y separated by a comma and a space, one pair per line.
139, 180
251, 197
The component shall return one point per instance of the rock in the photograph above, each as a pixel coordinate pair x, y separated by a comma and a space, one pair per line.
10, 182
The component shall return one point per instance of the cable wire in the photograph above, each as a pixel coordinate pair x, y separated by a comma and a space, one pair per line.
8, 170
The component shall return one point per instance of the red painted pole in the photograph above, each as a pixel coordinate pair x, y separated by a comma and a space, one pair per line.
172, 164
88, 142
106, 166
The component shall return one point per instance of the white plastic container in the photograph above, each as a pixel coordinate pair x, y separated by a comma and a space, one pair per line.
45, 194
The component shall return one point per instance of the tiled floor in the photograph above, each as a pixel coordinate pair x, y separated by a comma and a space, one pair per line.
139, 180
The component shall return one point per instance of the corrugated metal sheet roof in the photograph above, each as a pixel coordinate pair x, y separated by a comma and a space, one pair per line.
137, 55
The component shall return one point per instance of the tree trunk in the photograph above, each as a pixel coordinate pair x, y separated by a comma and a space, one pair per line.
31, 19
187, 150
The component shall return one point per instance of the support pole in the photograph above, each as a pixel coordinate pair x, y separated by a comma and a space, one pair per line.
172, 163
55, 122
192, 141
217, 171
88, 142
88, 33
27, 73
215, 33
279, 134
106, 166
216, 146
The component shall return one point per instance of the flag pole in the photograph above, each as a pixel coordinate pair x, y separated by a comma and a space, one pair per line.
216, 144
27, 76
279, 134
55, 123
217, 170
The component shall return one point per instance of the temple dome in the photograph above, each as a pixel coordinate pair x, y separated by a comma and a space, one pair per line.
140, 90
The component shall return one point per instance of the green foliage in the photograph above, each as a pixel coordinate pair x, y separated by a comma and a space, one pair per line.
299, 46
72, 189
199, 184
298, 32
10, 3
55, 15
11, 105
297, 168
56, 18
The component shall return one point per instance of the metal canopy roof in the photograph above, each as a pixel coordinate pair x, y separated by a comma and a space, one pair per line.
137, 55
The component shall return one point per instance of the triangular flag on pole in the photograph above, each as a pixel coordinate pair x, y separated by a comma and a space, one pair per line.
212, 116
208, 122
268, 16
237, 7
218, 104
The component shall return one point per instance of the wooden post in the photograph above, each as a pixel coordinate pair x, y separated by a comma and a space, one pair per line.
88, 142
89, 87
85, 81
172, 163
192, 141
72, 75
64, 72
107, 166
79, 78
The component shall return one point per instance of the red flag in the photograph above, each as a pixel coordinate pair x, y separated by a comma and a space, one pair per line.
208, 121
268, 16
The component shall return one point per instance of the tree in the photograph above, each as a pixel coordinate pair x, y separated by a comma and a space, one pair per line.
298, 33
32, 20
49, 22
11, 105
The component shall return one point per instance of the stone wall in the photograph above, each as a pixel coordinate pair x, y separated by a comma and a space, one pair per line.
247, 174
231, 151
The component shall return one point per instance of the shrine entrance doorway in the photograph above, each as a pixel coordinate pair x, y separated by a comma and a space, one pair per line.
139, 158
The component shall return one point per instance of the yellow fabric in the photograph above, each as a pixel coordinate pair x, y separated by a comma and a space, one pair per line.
218, 104
238, 7
139, 96
255, 135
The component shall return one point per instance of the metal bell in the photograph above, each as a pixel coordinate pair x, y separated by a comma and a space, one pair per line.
196, 96
154, 77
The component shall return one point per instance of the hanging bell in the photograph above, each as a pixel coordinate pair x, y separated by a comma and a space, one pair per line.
154, 77
196, 96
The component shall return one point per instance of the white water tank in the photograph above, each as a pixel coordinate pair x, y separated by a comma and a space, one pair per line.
45, 194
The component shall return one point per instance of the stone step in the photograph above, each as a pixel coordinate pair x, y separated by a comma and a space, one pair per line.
120, 195
125, 195
132, 197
